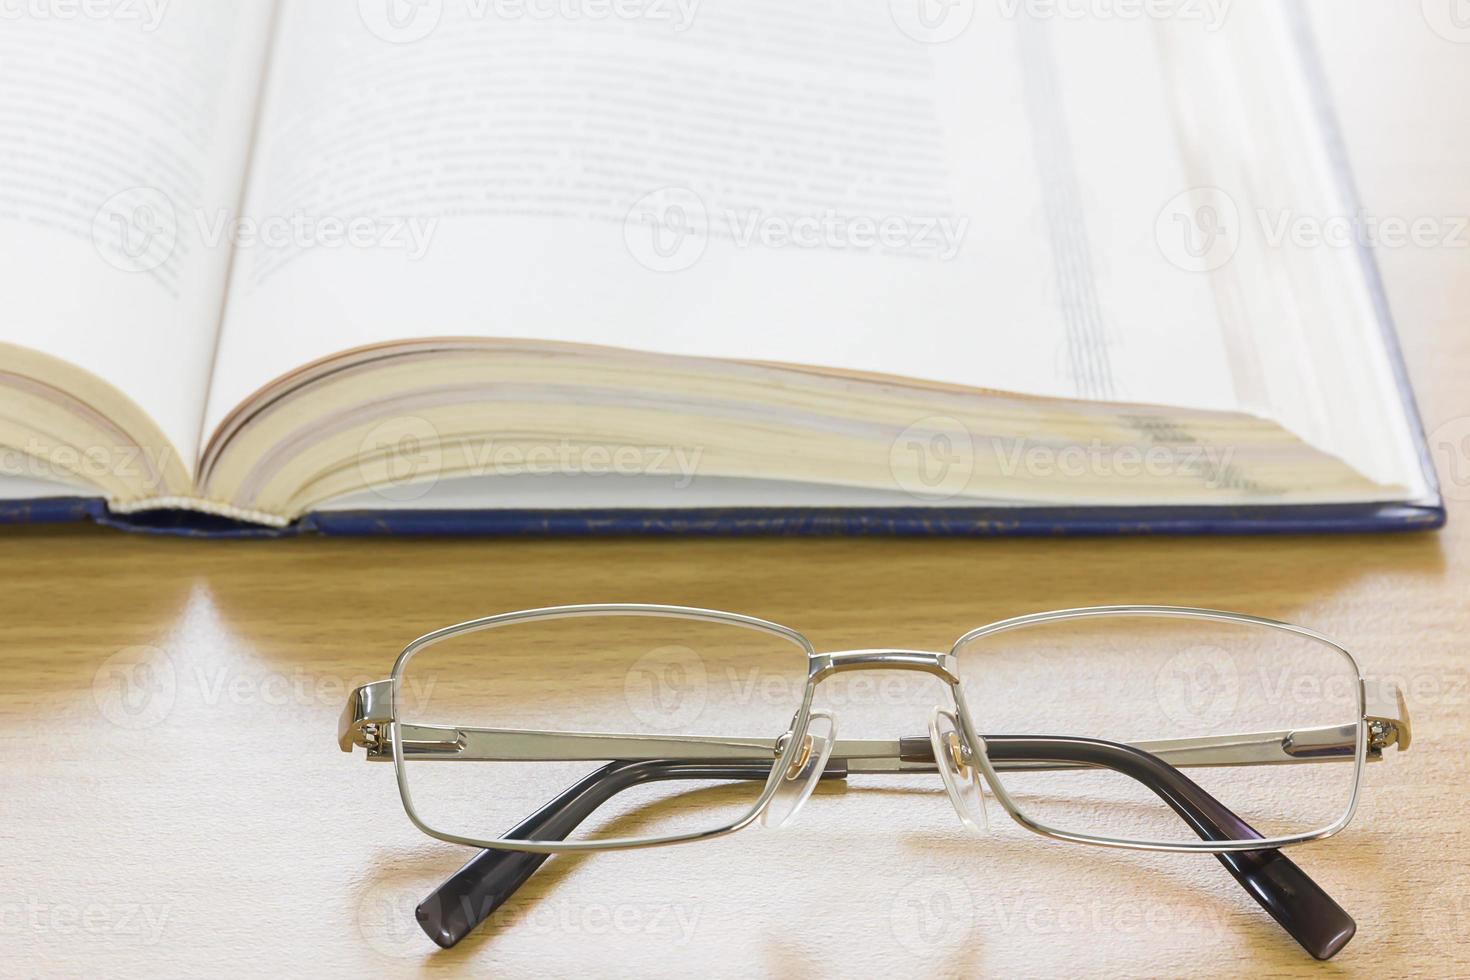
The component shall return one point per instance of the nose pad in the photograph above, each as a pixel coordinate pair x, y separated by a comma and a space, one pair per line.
957, 768
803, 772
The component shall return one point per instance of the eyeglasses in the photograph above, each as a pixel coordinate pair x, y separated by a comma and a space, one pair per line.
607, 727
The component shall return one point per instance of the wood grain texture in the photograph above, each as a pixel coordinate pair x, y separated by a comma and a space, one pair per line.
213, 827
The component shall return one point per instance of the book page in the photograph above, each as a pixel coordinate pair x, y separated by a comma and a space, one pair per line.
1293, 269
124, 132
856, 186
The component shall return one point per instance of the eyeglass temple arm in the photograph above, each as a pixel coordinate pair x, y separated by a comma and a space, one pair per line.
1277, 883
475, 891
1295, 901
367, 716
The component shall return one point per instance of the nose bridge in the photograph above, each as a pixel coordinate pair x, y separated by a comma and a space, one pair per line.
924, 661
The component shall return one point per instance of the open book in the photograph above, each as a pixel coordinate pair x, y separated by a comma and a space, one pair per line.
344, 265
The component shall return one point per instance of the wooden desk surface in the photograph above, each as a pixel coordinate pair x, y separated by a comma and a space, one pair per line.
216, 827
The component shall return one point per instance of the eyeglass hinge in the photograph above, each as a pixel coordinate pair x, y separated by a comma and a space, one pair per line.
368, 709
1381, 734
1388, 724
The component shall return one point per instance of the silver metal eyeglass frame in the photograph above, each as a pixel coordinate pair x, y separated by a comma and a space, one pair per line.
371, 721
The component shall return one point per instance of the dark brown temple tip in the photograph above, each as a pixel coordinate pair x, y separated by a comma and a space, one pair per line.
1295, 901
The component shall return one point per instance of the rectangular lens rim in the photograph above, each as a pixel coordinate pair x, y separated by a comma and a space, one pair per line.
780, 764
1017, 812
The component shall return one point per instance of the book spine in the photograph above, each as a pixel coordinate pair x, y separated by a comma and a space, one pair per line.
985, 522
211, 508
